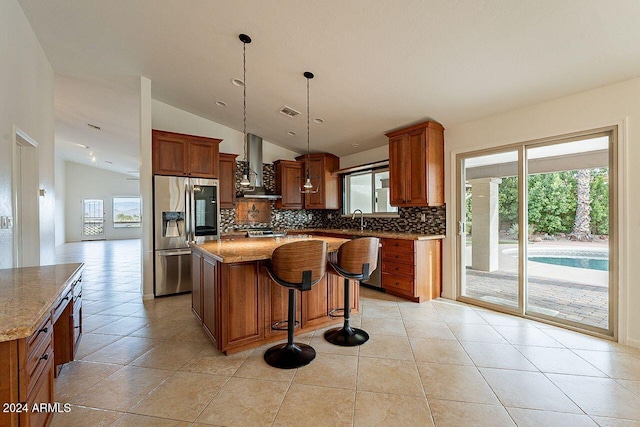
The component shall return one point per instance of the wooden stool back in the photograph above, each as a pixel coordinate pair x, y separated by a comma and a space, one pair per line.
289, 261
357, 252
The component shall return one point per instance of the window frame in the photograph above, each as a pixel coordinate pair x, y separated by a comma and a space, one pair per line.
113, 213
346, 194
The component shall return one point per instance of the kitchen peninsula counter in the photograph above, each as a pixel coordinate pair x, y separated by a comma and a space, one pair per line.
28, 294
256, 249
237, 302
40, 327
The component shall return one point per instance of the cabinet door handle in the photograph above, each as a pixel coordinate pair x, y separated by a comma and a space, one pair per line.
44, 356
45, 330
76, 327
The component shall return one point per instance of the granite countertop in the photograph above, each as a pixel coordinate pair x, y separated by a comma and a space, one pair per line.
27, 294
352, 232
246, 250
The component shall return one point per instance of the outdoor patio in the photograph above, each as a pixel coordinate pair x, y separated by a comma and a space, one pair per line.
575, 294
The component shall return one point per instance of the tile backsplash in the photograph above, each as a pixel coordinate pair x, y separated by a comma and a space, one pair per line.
409, 218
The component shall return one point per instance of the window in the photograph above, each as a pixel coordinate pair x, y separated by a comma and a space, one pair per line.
126, 212
368, 191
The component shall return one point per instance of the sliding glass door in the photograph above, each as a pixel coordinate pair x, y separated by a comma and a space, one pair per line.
489, 226
559, 266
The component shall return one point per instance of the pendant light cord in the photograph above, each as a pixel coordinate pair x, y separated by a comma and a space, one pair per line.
244, 97
308, 133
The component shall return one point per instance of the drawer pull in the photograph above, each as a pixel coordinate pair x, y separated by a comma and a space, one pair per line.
76, 327
44, 356
65, 298
397, 283
45, 330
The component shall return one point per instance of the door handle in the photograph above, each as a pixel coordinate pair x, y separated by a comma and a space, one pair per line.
174, 253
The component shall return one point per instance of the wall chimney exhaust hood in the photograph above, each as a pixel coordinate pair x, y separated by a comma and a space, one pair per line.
254, 156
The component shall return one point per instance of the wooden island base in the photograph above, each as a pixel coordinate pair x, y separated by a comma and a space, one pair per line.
237, 302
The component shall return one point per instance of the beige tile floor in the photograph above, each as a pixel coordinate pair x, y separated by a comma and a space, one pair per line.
438, 363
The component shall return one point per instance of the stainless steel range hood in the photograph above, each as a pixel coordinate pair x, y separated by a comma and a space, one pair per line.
254, 156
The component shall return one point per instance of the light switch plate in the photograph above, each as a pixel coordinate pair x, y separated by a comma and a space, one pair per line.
3, 222
9, 222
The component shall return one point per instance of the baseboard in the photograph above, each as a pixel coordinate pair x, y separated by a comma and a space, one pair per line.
147, 296
633, 343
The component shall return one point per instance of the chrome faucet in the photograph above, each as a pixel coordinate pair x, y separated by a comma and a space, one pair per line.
353, 216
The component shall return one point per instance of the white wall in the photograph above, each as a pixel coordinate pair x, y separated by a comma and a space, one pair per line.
26, 94
60, 176
172, 119
617, 104
86, 182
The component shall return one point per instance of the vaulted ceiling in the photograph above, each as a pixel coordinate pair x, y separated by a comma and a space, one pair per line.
379, 64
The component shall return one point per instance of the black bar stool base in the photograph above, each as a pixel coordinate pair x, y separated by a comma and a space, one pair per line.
346, 337
285, 356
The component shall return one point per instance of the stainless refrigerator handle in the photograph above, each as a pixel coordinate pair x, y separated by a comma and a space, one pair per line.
192, 208
187, 210
174, 253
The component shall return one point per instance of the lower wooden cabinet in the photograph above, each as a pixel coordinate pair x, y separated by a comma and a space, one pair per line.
240, 303
412, 269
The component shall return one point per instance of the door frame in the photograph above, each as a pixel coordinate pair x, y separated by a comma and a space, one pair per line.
613, 132
21, 141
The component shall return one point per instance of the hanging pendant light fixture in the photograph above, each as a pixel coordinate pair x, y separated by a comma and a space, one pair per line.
245, 182
308, 187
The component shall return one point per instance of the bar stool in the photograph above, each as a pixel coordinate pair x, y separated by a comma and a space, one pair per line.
297, 266
356, 260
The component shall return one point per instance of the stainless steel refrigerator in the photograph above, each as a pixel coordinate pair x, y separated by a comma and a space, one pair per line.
185, 211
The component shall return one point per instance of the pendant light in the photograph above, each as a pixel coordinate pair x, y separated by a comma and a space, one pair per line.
308, 187
245, 182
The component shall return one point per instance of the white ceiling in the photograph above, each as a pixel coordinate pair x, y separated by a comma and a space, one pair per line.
379, 64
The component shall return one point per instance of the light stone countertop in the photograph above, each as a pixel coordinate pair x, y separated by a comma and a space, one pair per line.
255, 249
353, 232
27, 294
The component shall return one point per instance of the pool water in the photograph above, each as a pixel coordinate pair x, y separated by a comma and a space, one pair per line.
590, 263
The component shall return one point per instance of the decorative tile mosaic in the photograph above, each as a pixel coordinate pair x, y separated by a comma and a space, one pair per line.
409, 218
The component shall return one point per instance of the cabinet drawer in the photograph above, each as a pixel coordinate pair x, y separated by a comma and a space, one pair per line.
397, 245
403, 284
397, 268
395, 256
77, 325
38, 361
40, 338
77, 288
41, 392
61, 305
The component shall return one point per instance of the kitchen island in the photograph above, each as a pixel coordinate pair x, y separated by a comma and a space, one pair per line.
237, 302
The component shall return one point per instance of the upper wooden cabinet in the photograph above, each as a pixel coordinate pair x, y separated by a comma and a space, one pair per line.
322, 166
227, 176
416, 165
288, 182
177, 154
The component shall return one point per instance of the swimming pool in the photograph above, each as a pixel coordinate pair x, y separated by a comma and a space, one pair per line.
589, 258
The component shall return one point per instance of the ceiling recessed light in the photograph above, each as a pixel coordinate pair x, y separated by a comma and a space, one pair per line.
221, 103
237, 82
318, 120
93, 159
291, 133
93, 126
355, 145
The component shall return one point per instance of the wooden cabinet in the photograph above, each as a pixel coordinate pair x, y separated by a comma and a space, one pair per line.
239, 303
227, 177
412, 269
288, 183
210, 298
416, 165
322, 166
177, 154
27, 376
196, 284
